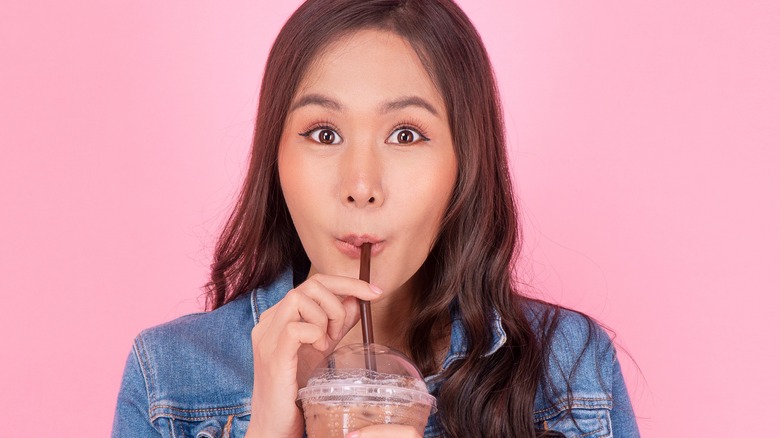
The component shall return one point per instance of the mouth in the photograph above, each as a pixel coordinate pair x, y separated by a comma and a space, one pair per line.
350, 244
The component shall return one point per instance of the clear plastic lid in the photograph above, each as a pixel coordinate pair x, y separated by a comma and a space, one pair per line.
368, 374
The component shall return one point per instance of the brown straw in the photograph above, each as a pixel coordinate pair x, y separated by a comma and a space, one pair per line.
365, 307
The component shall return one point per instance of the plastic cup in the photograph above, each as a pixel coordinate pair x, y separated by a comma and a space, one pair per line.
342, 395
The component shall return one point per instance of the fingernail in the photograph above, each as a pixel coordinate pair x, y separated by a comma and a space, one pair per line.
354, 434
377, 291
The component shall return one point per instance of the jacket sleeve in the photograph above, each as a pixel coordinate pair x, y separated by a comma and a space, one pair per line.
131, 418
622, 415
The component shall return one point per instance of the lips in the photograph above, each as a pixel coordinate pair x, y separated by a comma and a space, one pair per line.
350, 244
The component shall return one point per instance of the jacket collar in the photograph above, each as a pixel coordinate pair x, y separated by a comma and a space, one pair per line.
265, 297
459, 344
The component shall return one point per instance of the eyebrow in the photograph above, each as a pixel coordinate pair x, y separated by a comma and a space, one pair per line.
316, 99
384, 108
398, 104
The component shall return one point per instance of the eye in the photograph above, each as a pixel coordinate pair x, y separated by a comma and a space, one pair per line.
323, 135
406, 135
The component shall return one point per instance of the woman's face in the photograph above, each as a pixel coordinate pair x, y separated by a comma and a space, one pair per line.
366, 156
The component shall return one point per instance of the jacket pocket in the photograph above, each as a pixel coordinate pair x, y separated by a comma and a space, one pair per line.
222, 422
217, 427
580, 422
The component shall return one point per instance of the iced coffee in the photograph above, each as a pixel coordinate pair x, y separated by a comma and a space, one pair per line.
342, 395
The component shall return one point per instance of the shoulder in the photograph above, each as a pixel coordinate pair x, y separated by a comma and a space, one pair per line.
579, 357
185, 353
571, 336
194, 374
208, 354
190, 375
218, 336
198, 335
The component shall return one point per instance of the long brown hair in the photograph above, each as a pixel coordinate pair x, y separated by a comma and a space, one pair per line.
470, 266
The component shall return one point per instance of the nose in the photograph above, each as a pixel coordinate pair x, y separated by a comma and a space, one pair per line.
361, 178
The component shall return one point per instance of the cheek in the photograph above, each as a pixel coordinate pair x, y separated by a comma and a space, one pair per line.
429, 193
286, 168
298, 180
296, 189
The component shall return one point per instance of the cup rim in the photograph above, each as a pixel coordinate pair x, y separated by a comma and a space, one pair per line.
363, 392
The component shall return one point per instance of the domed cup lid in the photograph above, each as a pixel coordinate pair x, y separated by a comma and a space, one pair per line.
343, 376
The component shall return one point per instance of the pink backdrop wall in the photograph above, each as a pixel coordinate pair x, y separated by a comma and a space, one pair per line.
644, 143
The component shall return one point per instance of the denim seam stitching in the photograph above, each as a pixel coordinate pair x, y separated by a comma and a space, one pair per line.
608, 425
228, 426
243, 410
173, 417
146, 371
553, 414
227, 408
604, 424
547, 413
173, 430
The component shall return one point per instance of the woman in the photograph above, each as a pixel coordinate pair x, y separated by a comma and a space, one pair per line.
379, 121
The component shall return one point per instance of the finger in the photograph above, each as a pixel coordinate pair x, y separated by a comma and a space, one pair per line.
331, 304
384, 431
352, 317
347, 286
333, 294
293, 336
297, 306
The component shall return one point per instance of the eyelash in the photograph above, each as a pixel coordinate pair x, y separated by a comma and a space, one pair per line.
413, 125
410, 124
324, 124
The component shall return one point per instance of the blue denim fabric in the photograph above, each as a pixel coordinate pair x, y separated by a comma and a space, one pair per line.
192, 377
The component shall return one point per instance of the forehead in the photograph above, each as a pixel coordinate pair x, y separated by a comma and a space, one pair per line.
369, 65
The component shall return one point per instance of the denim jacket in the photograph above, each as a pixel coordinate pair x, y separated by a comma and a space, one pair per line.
192, 377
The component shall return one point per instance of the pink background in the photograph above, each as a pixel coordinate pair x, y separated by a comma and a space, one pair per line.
644, 143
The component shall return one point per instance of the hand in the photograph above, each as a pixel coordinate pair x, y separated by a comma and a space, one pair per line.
291, 338
384, 431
